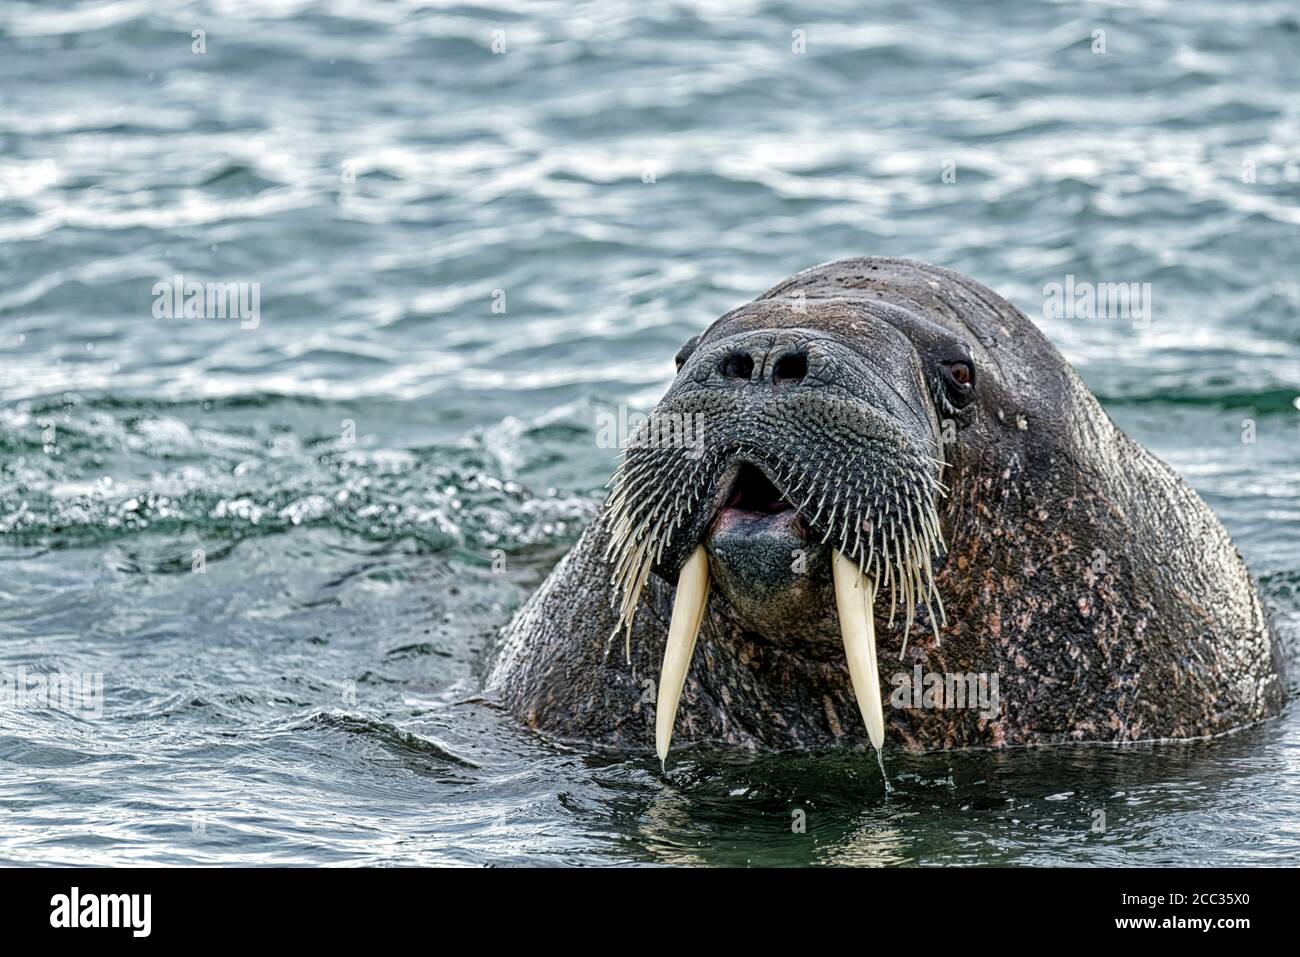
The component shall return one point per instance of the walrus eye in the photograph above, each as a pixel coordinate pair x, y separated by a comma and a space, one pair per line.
685, 351
958, 386
960, 374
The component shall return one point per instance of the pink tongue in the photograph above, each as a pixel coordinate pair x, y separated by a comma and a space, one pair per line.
735, 521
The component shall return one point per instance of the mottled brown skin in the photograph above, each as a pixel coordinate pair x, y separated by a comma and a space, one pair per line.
1082, 571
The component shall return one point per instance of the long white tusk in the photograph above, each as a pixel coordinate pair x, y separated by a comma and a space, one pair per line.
854, 596
688, 611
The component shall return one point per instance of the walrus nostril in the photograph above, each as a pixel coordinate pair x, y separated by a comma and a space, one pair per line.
737, 365
791, 368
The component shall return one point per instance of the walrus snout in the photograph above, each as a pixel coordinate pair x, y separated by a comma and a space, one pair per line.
839, 431
793, 472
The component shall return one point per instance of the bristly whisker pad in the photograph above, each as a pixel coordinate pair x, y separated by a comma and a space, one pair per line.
859, 484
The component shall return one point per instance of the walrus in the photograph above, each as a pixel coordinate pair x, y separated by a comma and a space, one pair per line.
876, 471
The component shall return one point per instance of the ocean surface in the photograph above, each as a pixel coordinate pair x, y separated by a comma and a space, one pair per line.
283, 541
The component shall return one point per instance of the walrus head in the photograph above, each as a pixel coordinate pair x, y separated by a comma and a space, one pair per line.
794, 467
876, 437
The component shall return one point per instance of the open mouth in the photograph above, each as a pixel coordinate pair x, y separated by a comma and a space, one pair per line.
753, 492
874, 507
754, 507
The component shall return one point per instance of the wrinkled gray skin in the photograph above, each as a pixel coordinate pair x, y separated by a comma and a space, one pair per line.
1084, 573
